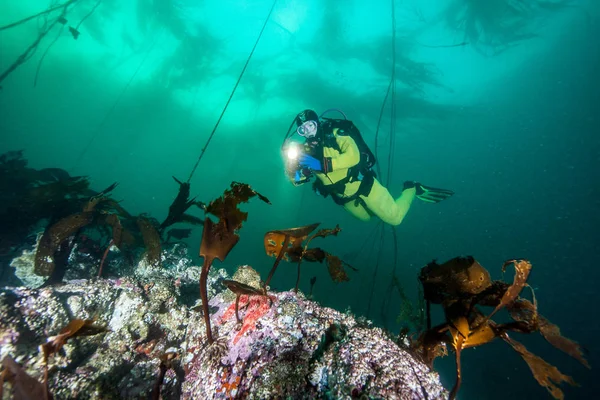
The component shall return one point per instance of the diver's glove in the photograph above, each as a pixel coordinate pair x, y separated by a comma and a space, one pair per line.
428, 193
306, 161
314, 164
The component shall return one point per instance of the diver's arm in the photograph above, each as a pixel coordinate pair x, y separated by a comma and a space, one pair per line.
347, 157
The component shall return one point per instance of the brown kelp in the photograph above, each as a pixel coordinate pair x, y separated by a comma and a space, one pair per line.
239, 289
179, 207
57, 233
106, 215
288, 244
26, 387
75, 328
283, 243
219, 238
167, 361
28, 196
23, 385
313, 280
75, 218
178, 234
151, 240
461, 286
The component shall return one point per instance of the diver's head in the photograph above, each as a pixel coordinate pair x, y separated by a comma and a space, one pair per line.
308, 124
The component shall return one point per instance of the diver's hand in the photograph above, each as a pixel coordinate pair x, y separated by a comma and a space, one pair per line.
306, 161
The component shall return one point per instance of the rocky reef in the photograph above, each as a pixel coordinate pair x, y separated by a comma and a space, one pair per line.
155, 341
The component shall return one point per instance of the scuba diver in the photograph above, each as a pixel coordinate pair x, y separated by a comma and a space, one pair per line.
335, 153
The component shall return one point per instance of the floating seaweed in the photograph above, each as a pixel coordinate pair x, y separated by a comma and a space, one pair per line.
460, 285
287, 244
284, 243
177, 210
219, 238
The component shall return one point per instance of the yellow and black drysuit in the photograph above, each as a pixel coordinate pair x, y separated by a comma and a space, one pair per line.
353, 185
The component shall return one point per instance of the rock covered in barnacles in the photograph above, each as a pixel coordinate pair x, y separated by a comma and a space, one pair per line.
296, 348
144, 321
286, 346
24, 266
244, 274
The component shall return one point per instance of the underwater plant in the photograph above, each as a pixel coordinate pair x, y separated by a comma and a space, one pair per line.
313, 280
29, 195
27, 387
74, 217
167, 361
75, 328
179, 234
241, 289
287, 243
95, 211
23, 385
177, 210
151, 239
219, 238
460, 285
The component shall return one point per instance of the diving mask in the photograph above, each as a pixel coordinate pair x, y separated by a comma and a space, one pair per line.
308, 129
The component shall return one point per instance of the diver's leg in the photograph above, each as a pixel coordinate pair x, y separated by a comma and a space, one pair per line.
358, 210
354, 208
381, 203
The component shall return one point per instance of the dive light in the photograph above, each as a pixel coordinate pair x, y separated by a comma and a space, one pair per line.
292, 152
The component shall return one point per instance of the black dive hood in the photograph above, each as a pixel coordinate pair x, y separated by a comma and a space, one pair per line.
291, 132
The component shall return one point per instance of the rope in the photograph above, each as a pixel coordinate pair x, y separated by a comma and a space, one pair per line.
48, 11
232, 93
381, 238
33, 47
392, 144
37, 70
88, 14
387, 93
393, 110
392, 138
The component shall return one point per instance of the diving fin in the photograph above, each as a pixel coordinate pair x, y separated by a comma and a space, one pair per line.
428, 193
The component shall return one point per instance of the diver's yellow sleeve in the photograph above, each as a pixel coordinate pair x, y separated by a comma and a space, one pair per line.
347, 157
